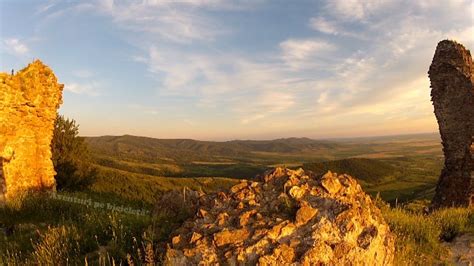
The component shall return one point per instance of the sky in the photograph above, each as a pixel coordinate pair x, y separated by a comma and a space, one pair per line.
243, 69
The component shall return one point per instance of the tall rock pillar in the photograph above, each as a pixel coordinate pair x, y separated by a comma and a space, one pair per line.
452, 82
28, 104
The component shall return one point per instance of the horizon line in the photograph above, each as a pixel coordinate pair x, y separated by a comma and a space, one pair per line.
282, 138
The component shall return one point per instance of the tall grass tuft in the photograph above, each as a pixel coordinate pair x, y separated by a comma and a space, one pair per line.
420, 234
57, 246
452, 222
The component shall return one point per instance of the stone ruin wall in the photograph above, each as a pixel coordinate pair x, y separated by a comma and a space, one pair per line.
28, 104
452, 82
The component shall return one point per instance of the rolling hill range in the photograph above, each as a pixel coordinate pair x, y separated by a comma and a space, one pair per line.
153, 150
162, 150
397, 167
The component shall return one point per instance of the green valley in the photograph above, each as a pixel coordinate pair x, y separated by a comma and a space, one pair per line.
400, 168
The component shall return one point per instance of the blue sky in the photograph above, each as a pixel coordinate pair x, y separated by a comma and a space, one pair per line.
214, 69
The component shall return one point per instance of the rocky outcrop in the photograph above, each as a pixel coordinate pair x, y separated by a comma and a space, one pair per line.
28, 104
452, 82
286, 217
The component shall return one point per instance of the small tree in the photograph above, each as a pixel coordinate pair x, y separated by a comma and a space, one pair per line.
71, 156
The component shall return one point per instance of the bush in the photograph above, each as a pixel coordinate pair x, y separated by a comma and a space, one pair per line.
71, 157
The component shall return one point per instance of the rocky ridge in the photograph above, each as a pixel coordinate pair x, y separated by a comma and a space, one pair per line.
285, 217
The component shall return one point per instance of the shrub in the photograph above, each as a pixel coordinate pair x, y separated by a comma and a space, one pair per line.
71, 157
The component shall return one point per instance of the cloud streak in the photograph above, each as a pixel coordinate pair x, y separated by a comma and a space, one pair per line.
305, 53
16, 47
91, 88
174, 21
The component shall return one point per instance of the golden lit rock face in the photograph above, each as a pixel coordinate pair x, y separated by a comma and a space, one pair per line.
287, 217
28, 104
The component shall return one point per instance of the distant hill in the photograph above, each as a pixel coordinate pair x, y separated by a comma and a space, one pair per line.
162, 150
369, 170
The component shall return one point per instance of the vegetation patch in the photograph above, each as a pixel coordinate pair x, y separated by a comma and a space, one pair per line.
42, 229
420, 234
369, 170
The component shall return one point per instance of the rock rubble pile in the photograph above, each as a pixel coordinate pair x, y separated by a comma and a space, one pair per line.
285, 217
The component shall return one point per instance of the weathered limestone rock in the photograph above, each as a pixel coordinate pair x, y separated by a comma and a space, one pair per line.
28, 104
452, 82
286, 218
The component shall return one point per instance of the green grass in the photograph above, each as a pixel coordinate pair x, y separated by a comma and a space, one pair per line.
238, 171
147, 188
419, 235
396, 179
415, 178
49, 231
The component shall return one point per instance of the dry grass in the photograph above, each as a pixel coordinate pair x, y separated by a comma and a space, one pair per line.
420, 234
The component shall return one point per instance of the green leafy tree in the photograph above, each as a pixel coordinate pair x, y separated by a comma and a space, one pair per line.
71, 156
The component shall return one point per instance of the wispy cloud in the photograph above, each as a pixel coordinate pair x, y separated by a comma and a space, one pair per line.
357, 9
45, 7
84, 82
91, 88
380, 77
268, 103
15, 46
303, 53
323, 25
334, 27
375, 74
176, 21
249, 90
173, 21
